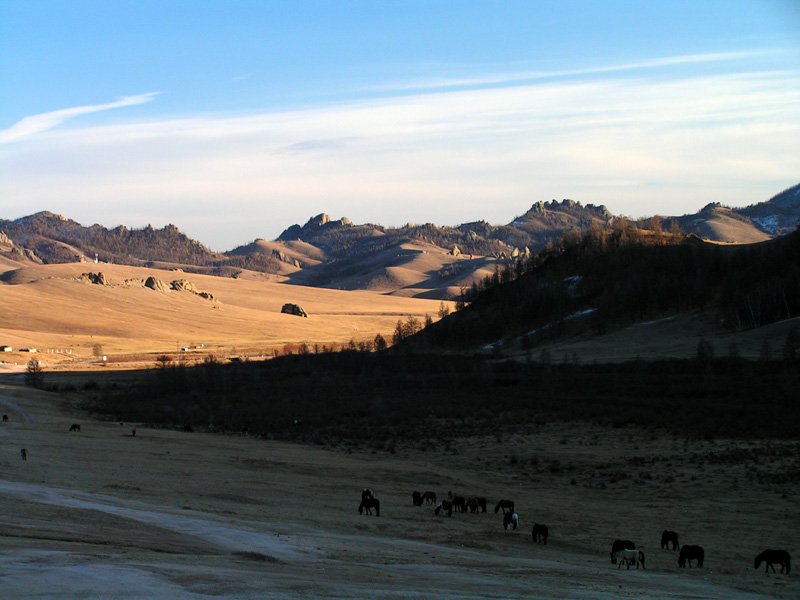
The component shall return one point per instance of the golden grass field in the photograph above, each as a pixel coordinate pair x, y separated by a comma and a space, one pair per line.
47, 307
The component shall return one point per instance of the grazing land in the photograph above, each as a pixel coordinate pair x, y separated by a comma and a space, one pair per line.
167, 513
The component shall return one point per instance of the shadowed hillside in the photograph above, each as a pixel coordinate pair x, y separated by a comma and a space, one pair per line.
607, 279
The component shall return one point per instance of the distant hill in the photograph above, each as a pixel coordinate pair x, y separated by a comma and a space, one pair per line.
602, 281
414, 260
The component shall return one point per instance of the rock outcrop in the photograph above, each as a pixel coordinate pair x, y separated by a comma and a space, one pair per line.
293, 309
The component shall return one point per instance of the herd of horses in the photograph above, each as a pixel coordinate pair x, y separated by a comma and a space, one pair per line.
623, 552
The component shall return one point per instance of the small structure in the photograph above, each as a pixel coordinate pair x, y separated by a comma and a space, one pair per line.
6, 348
293, 309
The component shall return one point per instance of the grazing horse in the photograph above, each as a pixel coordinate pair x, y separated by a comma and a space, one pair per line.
771, 557
75, 427
416, 498
510, 521
481, 503
444, 506
472, 505
539, 533
367, 493
504, 504
429, 497
369, 504
24, 454
459, 504
689, 553
620, 545
5, 418
630, 556
667, 538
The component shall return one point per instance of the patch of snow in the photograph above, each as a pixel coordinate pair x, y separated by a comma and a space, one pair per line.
768, 224
653, 322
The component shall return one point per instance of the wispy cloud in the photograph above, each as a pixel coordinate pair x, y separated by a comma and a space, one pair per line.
42, 122
528, 76
639, 145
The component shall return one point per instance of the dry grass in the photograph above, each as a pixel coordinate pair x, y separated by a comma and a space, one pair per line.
169, 514
46, 307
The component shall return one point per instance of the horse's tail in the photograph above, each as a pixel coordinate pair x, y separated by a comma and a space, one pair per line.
361, 508
377, 508
641, 558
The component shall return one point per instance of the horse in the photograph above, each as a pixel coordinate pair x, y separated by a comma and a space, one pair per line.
369, 504
481, 503
75, 427
24, 454
629, 555
667, 538
472, 505
459, 504
504, 504
446, 506
780, 557
429, 497
367, 493
539, 533
416, 498
689, 553
620, 545
186, 428
510, 521
5, 418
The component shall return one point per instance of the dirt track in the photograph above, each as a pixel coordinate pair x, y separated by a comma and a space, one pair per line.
165, 514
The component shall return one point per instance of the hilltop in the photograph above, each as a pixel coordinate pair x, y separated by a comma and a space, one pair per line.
422, 260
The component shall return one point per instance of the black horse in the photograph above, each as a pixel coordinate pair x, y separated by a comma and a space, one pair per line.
459, 504
771, 557
75, 427
481, 503
444, 506
504, 504
368, 504
416, 498
620, 545
367, 493
539, 533
689, 553
667, 538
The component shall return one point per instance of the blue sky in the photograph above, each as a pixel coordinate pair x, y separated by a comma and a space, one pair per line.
234, 120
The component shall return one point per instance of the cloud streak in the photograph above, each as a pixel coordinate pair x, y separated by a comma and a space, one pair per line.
42, 122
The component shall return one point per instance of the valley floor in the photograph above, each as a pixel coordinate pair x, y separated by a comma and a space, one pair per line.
102, 513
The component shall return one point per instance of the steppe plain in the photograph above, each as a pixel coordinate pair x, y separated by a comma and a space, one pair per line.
102, 513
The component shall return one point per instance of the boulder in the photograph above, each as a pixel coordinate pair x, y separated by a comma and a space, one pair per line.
156, 284
293, 309
184, 285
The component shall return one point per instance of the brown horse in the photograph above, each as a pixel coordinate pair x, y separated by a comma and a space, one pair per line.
75, 427
429, 497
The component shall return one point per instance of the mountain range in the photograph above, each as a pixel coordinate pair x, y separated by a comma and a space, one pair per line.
425, 260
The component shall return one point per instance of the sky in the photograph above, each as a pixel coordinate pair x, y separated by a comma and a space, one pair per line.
235, 119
